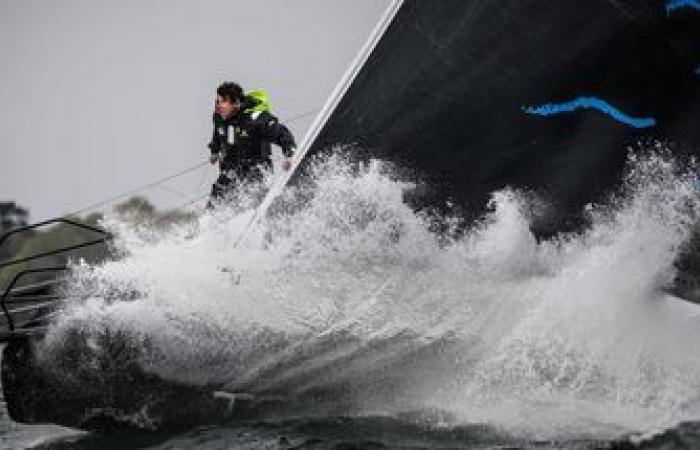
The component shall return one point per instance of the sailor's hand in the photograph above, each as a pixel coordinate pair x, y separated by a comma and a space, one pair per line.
287, 163
213, 158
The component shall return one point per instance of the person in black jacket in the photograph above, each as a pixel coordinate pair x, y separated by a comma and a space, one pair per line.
243, 131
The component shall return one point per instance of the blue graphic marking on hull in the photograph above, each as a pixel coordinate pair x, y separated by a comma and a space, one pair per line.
549, 109
678, 4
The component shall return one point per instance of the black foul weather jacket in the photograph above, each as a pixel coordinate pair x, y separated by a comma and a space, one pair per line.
244, 140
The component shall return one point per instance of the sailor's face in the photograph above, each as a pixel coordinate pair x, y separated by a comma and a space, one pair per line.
226, 108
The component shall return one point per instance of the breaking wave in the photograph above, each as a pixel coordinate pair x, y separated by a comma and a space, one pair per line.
348, 303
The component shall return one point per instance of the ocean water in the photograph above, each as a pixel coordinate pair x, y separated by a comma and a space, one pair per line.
366, 328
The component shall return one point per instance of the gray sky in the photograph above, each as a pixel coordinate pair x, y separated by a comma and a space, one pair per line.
98, 97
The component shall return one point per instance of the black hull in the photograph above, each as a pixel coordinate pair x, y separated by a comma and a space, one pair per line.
443, 92
116, 397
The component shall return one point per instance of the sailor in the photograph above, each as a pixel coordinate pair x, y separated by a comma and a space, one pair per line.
244, 127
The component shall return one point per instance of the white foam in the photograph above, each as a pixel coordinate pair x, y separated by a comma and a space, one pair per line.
544, 338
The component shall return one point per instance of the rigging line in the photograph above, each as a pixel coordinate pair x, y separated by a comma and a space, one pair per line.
188, 202
194, 200
201, 179
302, 115
172, 191
136, 190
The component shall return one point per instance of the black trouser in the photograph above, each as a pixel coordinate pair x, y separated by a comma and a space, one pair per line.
233, 173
